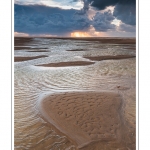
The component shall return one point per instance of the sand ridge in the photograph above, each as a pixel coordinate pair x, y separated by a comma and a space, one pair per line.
19, 58
116, 57
32, 48
67, 64
76, 50
85, 117
39, 51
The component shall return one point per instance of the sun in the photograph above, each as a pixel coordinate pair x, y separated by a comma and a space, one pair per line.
80, 34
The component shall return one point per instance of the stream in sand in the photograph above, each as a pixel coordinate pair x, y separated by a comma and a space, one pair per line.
31, 131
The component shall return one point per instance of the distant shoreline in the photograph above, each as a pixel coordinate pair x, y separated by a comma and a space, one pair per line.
111, 40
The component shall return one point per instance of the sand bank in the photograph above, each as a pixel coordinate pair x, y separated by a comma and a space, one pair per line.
21, 47
67, 64
39, 51
86, 118
131, 48
18, 59
99, 58
22, 41
25, 48
76, 50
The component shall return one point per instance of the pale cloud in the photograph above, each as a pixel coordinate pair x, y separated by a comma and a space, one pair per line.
19, 34
67, 4
111, 8
116, 22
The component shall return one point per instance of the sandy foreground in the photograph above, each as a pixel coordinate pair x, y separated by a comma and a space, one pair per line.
91, 120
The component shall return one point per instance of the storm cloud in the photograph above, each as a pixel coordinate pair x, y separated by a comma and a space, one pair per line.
42, 19
126, 11
102, 4
102, 21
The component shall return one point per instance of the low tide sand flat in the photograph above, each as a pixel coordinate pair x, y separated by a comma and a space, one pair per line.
99, 58
18, 59
67, 64
85, 117
76, 116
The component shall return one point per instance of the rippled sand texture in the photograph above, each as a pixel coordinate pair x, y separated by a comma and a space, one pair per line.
87, 106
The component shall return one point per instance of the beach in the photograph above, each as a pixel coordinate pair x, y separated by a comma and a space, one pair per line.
75, 93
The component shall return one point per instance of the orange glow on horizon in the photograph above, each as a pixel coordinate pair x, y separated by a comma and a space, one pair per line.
80, 34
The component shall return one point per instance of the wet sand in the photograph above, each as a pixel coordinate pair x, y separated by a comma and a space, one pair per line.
99, 58
84, 120
18, 59
87, 118
67, 64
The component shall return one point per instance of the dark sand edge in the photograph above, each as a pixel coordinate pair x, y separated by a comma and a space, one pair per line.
71, 136
68, 64
100, 58
19, 59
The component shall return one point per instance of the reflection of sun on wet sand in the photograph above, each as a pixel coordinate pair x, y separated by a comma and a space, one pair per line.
67, 64
19, 58
86, 117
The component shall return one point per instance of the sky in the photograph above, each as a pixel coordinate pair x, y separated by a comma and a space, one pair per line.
75, 18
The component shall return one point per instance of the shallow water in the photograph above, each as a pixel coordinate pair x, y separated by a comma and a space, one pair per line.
31, 82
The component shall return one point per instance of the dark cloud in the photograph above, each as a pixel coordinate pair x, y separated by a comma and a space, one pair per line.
42, 19
102, 4
102, 21
126, 11
39, 19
